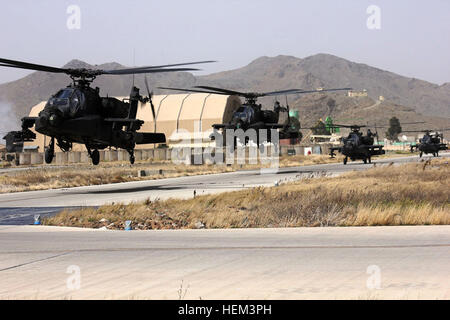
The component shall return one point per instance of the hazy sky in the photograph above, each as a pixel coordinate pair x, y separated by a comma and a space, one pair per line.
413, 39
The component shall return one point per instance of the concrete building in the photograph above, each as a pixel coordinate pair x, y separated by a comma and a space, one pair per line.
354, 93
176, 117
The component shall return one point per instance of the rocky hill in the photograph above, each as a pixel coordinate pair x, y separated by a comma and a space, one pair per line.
324, 70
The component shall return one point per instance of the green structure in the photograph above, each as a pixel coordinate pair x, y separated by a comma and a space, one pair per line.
329, 126
293, 114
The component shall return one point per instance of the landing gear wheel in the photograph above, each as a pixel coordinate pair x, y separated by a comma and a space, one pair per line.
95, 157
131, 152
49, 152
48, 155
345, 160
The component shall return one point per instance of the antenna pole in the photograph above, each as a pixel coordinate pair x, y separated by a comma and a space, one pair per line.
134, 62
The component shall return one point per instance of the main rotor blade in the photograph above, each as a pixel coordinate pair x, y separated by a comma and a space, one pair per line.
95, 72
225, 91
30, 66
300, 91
281, 92
140, 70
419, 122
192, 90
162, 66
446, 129
346, 126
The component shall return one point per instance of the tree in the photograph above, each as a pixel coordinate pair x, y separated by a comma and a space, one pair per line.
394, 129
329, 125
331, 105
320, 129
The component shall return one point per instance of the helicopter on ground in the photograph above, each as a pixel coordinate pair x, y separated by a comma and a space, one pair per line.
358, 146
250, 115
431, 142
78, 114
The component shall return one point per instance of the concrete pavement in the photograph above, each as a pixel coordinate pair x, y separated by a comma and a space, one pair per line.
299, 263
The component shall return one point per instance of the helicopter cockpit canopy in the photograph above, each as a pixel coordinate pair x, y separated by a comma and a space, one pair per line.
69, 102
426, 139
244, 114
353, 138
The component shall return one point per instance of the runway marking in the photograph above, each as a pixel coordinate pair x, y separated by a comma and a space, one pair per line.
35, 261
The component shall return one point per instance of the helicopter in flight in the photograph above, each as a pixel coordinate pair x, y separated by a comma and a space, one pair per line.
431, 142
250, 115
358, 146
78, 114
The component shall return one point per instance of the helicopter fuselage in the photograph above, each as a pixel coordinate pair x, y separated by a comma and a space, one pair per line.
79, 115
358, 147
430, 144
251, 116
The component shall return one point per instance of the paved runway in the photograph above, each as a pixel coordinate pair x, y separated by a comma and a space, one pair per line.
298, 263
19, 208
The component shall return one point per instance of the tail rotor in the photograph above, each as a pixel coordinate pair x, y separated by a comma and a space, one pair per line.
150, 95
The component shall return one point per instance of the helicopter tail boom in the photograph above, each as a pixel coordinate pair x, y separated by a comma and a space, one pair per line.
150, 137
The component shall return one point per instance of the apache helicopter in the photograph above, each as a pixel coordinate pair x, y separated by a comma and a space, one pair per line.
78, 114
358, 146
429, 143
251, 115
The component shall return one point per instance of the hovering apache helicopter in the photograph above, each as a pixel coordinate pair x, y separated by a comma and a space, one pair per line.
430, 143
357, 145
251, 115
78, 114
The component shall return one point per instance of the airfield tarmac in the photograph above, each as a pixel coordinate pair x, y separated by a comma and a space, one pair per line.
20, 207
406, 262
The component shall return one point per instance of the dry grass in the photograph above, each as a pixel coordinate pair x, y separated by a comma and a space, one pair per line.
51, 177
411, 194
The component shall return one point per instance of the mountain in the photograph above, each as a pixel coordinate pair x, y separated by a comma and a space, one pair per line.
325, 70
407, 98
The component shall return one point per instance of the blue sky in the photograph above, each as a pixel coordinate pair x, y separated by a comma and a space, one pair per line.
413, 39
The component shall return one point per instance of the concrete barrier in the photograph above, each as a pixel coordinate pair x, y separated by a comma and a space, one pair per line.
37, 158
160, 154
150, 154
123, 155
25, 158
84, 157
62, 157
111, 155
75, 157
317, 150
326, 148
146, 173
284, 150
144, 154
138, 155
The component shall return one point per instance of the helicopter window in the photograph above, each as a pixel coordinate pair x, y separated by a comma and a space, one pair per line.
244, 114
426, 139
64, 94
76, 102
